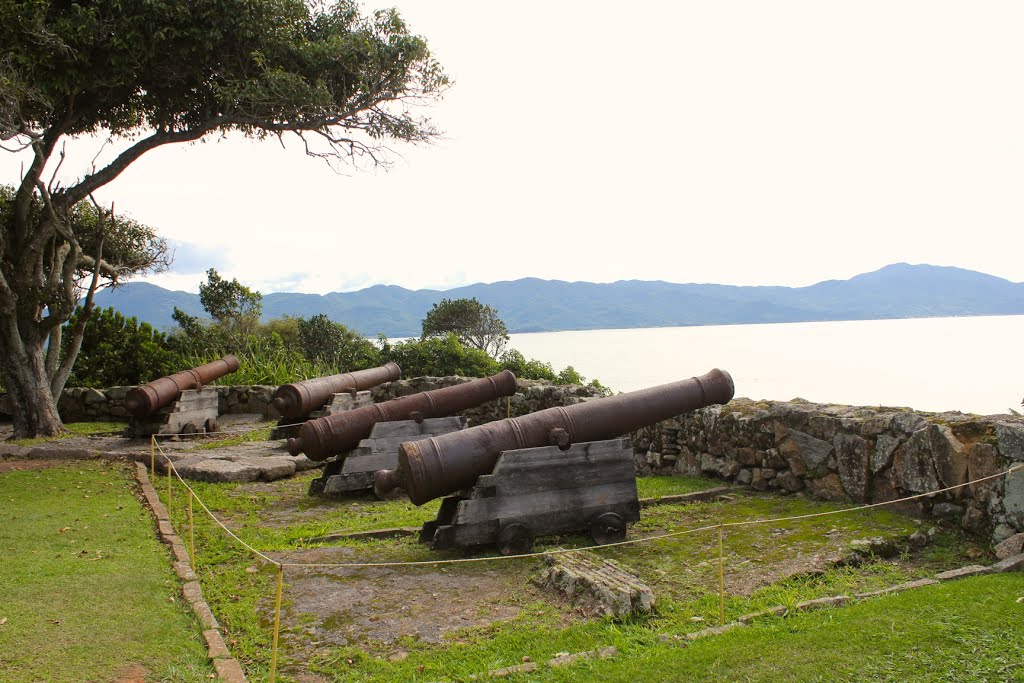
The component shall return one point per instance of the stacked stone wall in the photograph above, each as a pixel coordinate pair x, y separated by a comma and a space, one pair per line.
849, 453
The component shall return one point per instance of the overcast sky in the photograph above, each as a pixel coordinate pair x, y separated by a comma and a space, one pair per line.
737, 142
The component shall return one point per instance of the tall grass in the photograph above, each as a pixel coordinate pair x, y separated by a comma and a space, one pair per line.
264, 363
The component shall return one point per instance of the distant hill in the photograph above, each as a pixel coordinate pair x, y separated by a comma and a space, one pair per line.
533, 305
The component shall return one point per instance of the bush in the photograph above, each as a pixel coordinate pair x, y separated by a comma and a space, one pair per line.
118, 351
438, 356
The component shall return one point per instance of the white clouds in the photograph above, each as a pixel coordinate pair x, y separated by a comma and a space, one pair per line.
738, 142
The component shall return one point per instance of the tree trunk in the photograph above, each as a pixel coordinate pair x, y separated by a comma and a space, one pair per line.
24, 371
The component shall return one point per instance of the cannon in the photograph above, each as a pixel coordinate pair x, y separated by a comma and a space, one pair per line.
323, 437
149, 398
551, 472
444, 464
301, 398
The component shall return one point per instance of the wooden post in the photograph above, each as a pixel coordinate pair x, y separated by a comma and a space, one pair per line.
191, 534
277, 622
721, 580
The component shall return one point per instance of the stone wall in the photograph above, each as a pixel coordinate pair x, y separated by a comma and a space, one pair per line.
855, 454
107, 405
829, 452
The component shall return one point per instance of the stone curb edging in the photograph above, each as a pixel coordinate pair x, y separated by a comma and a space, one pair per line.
227, 667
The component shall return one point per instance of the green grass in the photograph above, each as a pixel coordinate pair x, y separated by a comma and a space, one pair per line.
87, 587
681, 571
74, 429
654, 487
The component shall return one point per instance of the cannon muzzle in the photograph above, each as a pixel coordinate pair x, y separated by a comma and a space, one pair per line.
149, 398
444, 464
301, 398
323, 437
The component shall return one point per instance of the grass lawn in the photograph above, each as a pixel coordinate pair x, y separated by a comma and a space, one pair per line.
88, 593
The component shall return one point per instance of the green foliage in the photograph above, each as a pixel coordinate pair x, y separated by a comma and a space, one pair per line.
517, 363
230, 304
257, 67
325, 341
475, 324
118, 351
570, 376
438, 356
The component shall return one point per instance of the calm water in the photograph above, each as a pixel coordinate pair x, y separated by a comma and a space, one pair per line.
973, 364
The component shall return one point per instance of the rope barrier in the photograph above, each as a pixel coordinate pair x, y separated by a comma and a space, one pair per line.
559, 551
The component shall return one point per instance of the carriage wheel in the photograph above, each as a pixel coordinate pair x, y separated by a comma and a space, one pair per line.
609, 527
211, 425
515, 539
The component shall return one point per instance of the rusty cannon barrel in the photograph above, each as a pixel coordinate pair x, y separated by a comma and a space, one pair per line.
444, 464
301, 398
323, 437
149, 398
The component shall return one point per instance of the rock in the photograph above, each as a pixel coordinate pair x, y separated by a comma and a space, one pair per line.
913, 469
983, 460
302, 463
583, 576
853, 465
804, 453
1014, 563
271, 467
885, 446
744, 477
117, 393
908, 423
828, 487
963, 572
974, 520
951, 512
1014, 545
875, 547
1002, 532
216, 470
1013, 499
790, 482
1011, 440
94, 397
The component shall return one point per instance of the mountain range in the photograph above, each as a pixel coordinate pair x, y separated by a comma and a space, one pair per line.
533, 305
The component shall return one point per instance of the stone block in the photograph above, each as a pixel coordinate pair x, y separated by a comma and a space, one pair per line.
1014, 545
1010, 564
963, 572
714, 630
853, 465
215, 644
587, 578
229, 670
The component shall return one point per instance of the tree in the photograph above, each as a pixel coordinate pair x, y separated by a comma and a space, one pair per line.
234, 307
43, 274
326, 341
438, 357
475, 324
163, 72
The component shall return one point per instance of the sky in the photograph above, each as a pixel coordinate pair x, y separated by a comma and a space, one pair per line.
737, 142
